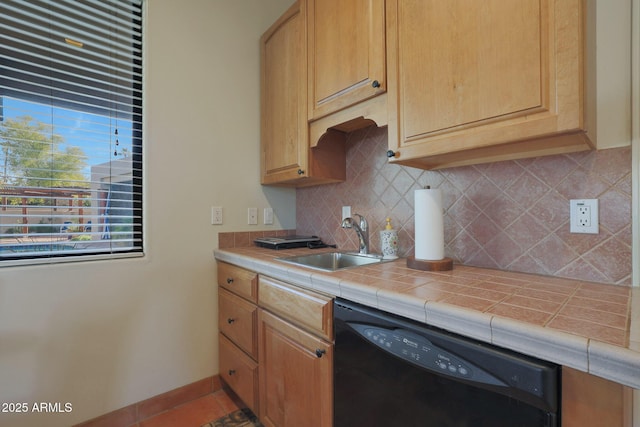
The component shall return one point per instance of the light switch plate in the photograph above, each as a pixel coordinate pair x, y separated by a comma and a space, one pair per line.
252, 216
268, 216
346, 212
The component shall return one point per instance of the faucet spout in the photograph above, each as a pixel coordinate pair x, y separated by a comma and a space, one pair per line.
361, 230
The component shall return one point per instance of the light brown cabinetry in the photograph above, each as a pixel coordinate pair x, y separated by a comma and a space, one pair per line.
276, 347
286, 157
237, 319
346, 54
296, 364
310, 310
457, 83
239, 281
238, 324
590, 401
470, 82
239, 371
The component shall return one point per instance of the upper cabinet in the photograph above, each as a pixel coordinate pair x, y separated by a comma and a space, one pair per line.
286, 156
283, 97
457, 82
471, 82
346, 53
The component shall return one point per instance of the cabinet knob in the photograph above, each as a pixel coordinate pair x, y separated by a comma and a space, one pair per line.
320, 352
391, 153
229, 280
375, 84
300, 172
232, 371
230, 320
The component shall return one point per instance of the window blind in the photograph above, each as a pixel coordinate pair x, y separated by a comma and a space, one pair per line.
70, 128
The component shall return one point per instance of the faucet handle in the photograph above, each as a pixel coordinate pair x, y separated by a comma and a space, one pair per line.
363, 222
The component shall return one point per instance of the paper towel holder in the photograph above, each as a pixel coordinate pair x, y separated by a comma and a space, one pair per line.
444, 264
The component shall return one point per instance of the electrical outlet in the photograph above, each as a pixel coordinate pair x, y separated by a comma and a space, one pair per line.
267, 216
216, 215
584, 216
346, 212
252, 216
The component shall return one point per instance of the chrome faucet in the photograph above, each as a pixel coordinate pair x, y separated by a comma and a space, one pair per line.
362, 231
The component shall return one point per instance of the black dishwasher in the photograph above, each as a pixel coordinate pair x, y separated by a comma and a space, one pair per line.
391, 371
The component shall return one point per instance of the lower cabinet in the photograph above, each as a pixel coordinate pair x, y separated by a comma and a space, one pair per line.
239, 371
238, 325
590, 401
296, 375
276, 353
276, 348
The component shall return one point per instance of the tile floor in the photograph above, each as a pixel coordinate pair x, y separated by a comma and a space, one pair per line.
194, 413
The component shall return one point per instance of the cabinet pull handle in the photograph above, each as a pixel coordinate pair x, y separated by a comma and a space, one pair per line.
229, 280
232, 371
375, 84
230, 320
391, 153
300, 172
320, 352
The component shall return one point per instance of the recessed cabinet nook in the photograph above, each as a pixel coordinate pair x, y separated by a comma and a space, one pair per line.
457, 83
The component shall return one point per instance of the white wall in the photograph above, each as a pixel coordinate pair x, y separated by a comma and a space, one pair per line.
105, 334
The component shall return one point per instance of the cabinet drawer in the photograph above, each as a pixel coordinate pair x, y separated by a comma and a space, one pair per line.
237, 319
239, 372
238, 280
307, 309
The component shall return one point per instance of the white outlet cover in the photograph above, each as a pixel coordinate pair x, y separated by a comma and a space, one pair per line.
576, 206
216, 215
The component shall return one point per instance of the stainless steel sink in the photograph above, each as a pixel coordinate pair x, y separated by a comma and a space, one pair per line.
332, 261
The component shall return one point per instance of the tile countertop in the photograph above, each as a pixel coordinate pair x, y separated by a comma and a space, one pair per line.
588, 326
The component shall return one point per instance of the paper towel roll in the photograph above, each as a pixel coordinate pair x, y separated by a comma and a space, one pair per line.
429, 228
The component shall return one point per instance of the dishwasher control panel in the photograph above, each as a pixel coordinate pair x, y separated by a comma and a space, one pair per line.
420, 351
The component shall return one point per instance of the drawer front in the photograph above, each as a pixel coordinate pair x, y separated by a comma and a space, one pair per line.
239, 372
308, 309
238, 280
237, 319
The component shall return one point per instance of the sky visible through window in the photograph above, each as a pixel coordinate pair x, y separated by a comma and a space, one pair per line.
92, 133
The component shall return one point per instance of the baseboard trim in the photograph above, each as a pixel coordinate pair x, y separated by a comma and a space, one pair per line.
132, 414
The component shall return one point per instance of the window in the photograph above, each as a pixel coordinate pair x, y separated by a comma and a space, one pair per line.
70, 129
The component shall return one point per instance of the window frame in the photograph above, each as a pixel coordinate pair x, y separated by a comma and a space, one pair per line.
135, 112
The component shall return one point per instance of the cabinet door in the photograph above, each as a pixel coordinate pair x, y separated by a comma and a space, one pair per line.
346, 53
284, 140
296, 375
465, 75
590, 401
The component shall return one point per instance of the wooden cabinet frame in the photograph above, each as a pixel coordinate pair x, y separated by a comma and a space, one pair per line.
346, 54
554, 124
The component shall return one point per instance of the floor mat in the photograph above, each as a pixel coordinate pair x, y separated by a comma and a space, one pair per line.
240, 418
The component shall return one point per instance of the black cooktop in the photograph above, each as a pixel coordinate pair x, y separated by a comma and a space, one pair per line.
287, 242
